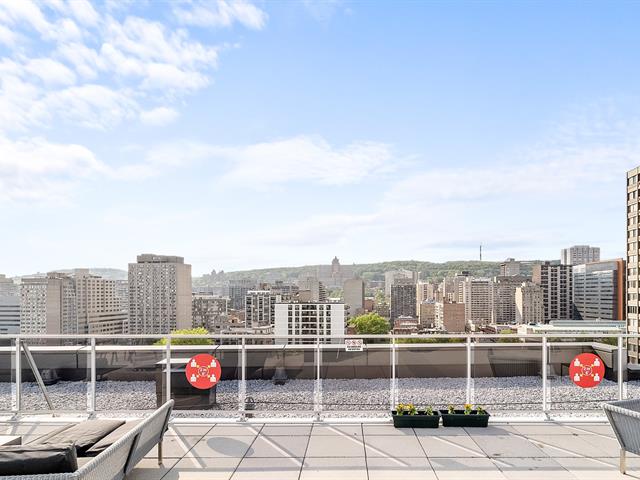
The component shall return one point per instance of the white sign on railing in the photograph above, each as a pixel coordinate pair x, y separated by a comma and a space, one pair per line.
353, 344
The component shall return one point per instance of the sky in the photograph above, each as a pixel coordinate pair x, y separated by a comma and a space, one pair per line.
260, 134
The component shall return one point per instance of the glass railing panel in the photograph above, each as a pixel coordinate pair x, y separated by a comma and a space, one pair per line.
129, 374
631, 369
507, 375
431, 371
200, 387
63, 366
281, 377
356, 382
565, 391
8, 384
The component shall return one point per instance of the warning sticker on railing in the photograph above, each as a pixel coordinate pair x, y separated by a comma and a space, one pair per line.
353, 345
586, 370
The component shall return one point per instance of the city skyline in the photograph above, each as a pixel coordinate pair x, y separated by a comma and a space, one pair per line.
245, 135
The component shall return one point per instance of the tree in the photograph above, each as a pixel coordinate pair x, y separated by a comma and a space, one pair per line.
370, 324
506, 339
188, 341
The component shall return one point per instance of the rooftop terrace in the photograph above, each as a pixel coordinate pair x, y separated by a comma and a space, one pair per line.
372, 451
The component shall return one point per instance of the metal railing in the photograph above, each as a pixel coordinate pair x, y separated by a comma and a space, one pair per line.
426, 360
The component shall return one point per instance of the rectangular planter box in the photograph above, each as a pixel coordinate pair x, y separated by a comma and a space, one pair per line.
459, 419
421, 420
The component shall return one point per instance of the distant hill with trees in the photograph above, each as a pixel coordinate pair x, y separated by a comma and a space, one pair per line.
368, 271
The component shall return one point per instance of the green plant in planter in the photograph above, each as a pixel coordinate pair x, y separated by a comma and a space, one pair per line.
428, 410
481, 411
451, 409
468, 408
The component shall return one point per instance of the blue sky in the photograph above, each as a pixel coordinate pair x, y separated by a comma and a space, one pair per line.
244, 135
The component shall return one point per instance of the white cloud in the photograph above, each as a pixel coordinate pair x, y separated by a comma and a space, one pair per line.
99, 69
35, 169
91, 105
158, 116
84, 12
221, 13
52, 73
304, 158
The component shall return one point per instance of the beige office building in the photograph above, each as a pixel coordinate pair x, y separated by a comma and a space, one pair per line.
557, 290
159, 294
450, 317
477, 296
633, 278
529, 303
353, 293
48, 305
98, 306
503, 299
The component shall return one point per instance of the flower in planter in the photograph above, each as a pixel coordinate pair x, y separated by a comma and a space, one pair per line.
451, 409
468, 408
406, 409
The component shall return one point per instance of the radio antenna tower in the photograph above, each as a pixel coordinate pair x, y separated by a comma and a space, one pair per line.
480, 252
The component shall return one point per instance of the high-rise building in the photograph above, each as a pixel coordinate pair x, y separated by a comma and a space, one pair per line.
403, 299
503, 299
450, 317
529, 303
598, 290
311, 290
237, 291
557, 290
509, 268
477, 296
452, 287
159, 294
48, 305
259, 308
98, 308
427, 314
394, 275
9, 306
8, 287
353, 293
426, 291
579, 254
308, 319
9, 314
211, 313
633, 275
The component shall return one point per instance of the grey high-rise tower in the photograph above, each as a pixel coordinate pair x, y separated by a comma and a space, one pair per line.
159, 294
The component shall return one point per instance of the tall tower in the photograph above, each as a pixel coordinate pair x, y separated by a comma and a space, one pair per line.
633, 304
159, 294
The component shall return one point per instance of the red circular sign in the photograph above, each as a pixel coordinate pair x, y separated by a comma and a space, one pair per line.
203, 371
586, 370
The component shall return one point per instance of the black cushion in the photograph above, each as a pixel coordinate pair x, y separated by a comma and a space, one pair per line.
85, 434
110, 439
38, 459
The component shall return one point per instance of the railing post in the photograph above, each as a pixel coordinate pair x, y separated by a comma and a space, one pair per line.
168, 371
620, 368
469, 397
18, 376
545, 362
242, 391
91, 398
317, 401
393, 390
